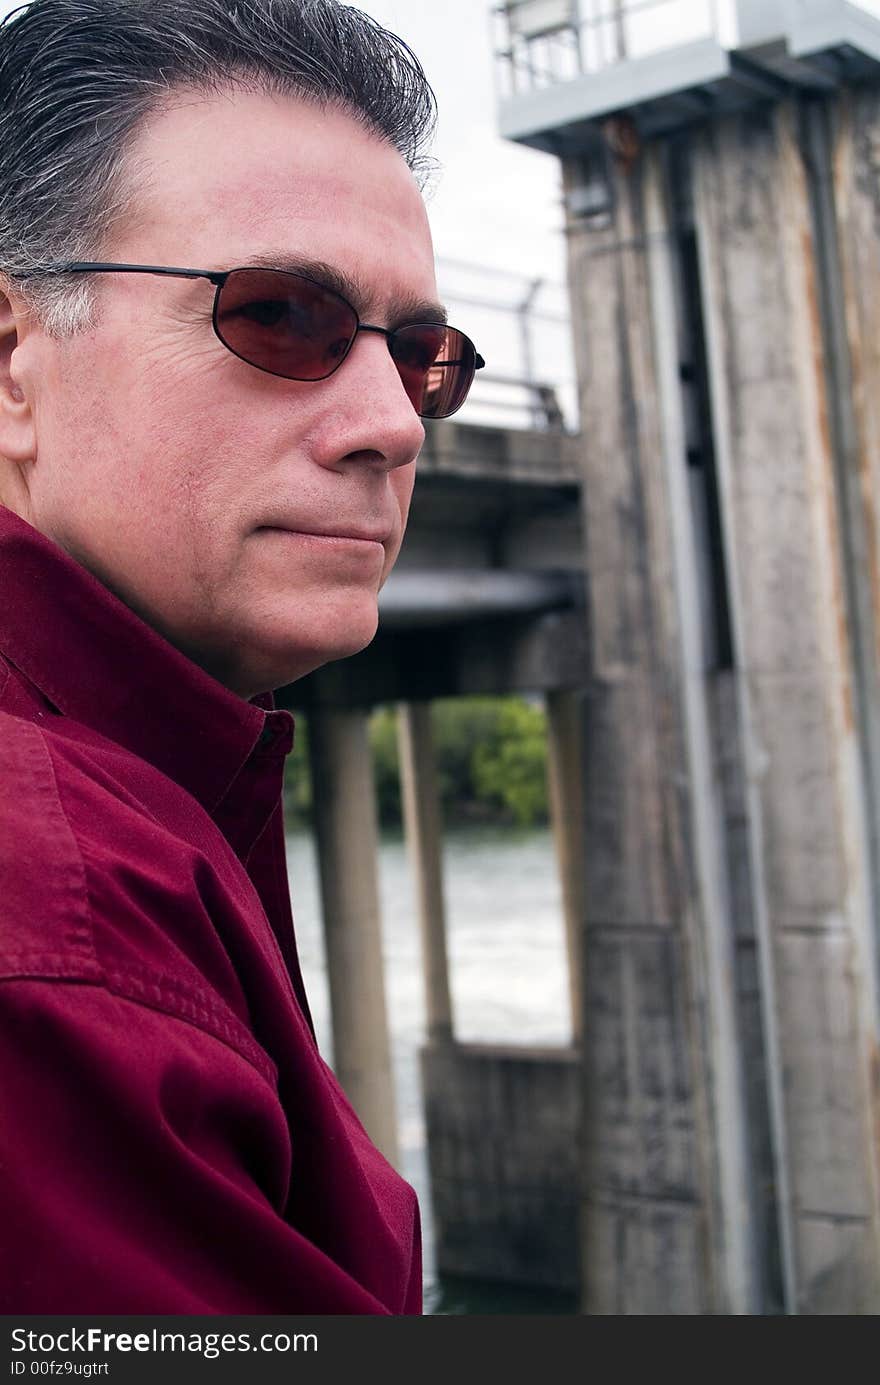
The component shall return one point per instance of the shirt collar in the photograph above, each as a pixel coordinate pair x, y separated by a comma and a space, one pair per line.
98, 662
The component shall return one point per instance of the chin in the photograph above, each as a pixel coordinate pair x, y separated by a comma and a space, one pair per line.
335, 641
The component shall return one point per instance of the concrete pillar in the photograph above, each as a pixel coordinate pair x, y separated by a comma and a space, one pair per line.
666, 1217
767, 271
565, 778
348, 852
852, 182
424, 835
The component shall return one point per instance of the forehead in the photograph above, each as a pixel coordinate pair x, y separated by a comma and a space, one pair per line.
233, 178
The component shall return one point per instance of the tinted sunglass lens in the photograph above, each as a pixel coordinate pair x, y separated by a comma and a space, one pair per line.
289, 325
284, 323
436, 365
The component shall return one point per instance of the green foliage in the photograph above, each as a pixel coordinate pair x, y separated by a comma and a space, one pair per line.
460, 727
297, 778
386, 770
510, 766
491, 756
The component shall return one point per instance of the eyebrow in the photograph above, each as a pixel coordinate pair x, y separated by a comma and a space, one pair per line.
401, 309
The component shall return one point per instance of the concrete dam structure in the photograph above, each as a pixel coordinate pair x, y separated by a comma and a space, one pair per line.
692, 583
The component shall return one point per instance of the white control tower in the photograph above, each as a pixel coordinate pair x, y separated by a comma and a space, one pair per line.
721, 166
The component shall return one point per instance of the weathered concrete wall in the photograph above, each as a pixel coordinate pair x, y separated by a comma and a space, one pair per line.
732, 835
509, 454
502, 1127
728, 769
766, 304
855, 193
665, 1208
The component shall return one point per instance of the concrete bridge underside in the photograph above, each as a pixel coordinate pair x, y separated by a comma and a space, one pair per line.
487, 598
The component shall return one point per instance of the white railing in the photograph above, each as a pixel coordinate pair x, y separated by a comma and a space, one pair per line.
543, 42
521, 325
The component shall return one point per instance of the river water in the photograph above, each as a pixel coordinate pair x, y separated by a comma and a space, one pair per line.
508, 980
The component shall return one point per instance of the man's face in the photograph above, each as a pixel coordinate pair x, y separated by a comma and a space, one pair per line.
199, 489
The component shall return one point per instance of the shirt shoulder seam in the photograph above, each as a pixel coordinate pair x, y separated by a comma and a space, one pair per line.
78, 960
79, 934
150, 991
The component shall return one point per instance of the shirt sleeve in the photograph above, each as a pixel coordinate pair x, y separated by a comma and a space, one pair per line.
145, 1167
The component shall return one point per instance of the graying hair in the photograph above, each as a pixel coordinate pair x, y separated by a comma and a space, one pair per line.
78, 77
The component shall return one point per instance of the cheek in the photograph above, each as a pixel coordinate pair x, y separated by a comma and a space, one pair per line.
402, 481
121, 478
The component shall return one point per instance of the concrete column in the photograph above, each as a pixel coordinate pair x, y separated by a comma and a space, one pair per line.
565, 732
424, 835
348, 851
853, 189
665, 1217
766, 263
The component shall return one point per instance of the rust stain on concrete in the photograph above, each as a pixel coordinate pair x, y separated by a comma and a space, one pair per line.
828, 488
874, 1097
816, 336
856, 306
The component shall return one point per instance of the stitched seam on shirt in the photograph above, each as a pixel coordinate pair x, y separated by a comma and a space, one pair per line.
47, 966
153, 993
280, 903
41, 680
169, 993
165, 994
187, 1000
79, 934
208, 1001
272, 937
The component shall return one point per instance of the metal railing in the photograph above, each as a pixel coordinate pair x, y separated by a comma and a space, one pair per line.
525, 403
543, 42
521, 325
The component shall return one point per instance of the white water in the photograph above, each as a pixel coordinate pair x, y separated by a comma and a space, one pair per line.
508, 971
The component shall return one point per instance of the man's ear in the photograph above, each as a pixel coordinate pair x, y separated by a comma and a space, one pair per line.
18, 441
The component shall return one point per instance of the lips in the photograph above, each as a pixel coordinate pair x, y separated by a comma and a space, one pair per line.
361, 535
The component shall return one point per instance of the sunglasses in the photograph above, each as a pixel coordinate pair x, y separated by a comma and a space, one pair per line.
290, 325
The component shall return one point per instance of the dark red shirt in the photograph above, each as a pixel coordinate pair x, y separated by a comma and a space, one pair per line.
171, 1140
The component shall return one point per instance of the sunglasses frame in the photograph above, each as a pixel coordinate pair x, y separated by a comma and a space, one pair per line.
218, 278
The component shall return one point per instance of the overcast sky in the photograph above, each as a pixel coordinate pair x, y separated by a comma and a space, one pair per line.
495, 203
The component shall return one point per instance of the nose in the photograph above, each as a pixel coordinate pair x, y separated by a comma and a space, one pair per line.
374, 420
